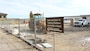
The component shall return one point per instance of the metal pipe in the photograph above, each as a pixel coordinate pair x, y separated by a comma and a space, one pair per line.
54, 48
8, 29
19, 27
35, 30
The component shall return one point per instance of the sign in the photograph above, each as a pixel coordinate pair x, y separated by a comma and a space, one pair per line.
55, 24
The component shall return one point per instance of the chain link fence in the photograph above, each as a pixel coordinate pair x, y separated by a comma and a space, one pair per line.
73, 38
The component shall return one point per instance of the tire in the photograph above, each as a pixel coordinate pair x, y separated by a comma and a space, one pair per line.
82, 25
88, 24
74, 25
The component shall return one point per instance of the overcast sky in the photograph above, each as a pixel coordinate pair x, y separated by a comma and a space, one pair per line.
22, 8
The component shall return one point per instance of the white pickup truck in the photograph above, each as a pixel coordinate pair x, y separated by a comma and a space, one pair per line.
81, 22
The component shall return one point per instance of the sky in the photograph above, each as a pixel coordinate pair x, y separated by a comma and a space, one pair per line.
50, 8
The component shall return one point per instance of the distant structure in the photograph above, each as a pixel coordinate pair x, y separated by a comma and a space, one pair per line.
40, 25
3, 16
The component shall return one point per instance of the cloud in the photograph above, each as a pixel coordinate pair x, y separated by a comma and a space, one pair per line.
54, 1
82, 6
22, 8
83, 3
14, 8
55, 10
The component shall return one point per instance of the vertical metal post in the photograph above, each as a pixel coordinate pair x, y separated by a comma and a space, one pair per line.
0, 24
19, 25
9, 25
25, 27
54, 49
35, 29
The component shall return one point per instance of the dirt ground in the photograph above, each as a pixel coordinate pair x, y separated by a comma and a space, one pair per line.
73, 39
9, 42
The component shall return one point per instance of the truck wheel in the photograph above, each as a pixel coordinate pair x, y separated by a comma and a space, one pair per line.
74, 25
88, 24
82, 25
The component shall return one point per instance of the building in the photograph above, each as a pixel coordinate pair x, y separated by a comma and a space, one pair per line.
78, 17
3, 16
71, 19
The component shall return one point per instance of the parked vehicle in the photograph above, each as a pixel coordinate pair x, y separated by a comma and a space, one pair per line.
81, 22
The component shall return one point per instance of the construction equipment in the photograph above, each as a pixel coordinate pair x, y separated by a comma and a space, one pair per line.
40, 23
